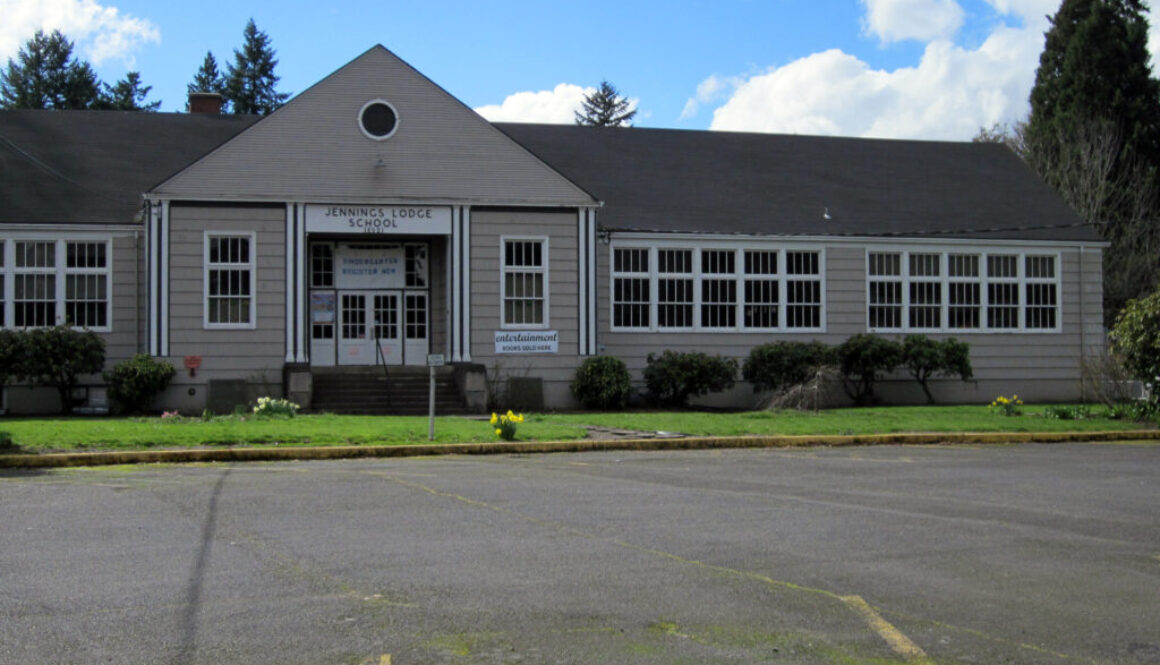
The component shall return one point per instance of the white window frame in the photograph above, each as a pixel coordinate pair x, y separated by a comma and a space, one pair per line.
543, 269
1020, 280
251, 266
59, 270
698, 276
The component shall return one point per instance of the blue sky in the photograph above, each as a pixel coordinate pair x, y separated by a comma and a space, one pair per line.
891, 68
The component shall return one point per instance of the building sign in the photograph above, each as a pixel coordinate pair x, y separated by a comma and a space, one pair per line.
378, 220
376, 267
538, 341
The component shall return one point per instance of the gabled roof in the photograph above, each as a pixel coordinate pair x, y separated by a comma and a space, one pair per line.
765, 184
313, 148
91, 167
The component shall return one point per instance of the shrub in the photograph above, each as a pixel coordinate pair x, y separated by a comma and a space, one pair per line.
672, 378
602, 382
925, 357
1008, 406
10, 354
135, 382
1066, 412
1135, 339
862, 359
784, 364
57, 356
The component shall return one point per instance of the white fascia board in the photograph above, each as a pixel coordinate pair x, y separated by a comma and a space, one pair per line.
740, 240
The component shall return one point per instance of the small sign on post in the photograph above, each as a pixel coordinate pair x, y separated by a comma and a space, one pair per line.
433, 360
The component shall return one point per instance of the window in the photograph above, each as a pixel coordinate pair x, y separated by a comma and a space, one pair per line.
86, 285
1042, 292
673, 287
718, 294
322, 265
803, 291
761, 289
229, 280
51, 282
630, 288
959, 291
523, 286
415, 265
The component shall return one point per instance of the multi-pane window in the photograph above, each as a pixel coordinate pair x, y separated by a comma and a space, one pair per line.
1002, 291
885, 296
925, 309
675, 288
630, 288
761, 289
1042, 292
803, 302
229, 280
322, 265
524, 281
86, 284
959, 291
718, 288
51, 282
715, 288
964, 292
34, 284
416, 314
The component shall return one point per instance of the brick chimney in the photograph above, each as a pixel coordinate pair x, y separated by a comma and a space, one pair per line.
209, 103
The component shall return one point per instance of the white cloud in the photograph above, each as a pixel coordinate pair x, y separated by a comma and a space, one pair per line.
713, 89
923, 20
556, 106
100, 33
948, 94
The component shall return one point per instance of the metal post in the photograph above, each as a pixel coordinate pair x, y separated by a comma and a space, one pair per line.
431, 406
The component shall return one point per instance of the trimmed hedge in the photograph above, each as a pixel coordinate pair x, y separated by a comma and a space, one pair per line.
672, 377
602, 382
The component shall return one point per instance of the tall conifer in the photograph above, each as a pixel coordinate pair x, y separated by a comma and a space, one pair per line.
250, 81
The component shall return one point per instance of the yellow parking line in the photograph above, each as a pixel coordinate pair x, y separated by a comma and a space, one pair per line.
897, 641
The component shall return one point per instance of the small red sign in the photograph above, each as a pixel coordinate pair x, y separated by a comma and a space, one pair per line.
192, 362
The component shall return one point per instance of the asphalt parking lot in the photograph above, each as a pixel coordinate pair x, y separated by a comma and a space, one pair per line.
928, 554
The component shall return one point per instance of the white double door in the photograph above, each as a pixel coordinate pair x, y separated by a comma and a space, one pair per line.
394, 321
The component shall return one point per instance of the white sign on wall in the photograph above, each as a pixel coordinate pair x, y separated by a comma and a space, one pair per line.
523, 341
369, 268
378, 220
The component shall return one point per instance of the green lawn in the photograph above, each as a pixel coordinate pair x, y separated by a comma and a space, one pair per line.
33, 435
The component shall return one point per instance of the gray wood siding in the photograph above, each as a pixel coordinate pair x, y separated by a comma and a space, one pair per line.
313, 149
1041, 366
556, 369
257, 354
128, 315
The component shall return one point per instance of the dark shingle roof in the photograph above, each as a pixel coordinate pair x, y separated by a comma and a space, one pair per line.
766, 184
91, 167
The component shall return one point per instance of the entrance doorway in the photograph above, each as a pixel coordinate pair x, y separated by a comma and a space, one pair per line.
393, 321
369, 304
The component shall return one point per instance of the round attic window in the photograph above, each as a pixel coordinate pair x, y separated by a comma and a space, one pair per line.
378, 119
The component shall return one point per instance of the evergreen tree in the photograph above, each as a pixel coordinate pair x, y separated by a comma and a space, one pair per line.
44, 75
250, 80
208, 78
1094, 134
605, 108
128, 95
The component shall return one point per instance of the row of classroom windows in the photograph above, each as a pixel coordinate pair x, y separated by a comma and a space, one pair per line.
45, 282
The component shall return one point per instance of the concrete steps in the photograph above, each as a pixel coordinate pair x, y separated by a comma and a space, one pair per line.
401, 391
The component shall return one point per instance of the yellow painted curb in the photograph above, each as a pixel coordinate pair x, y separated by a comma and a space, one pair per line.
270, 453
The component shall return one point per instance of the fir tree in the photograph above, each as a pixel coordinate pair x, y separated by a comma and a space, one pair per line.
250, 80
605, 108
44, 75
128, 95
208, 78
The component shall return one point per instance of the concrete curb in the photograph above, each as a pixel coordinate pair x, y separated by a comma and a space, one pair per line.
269, 453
